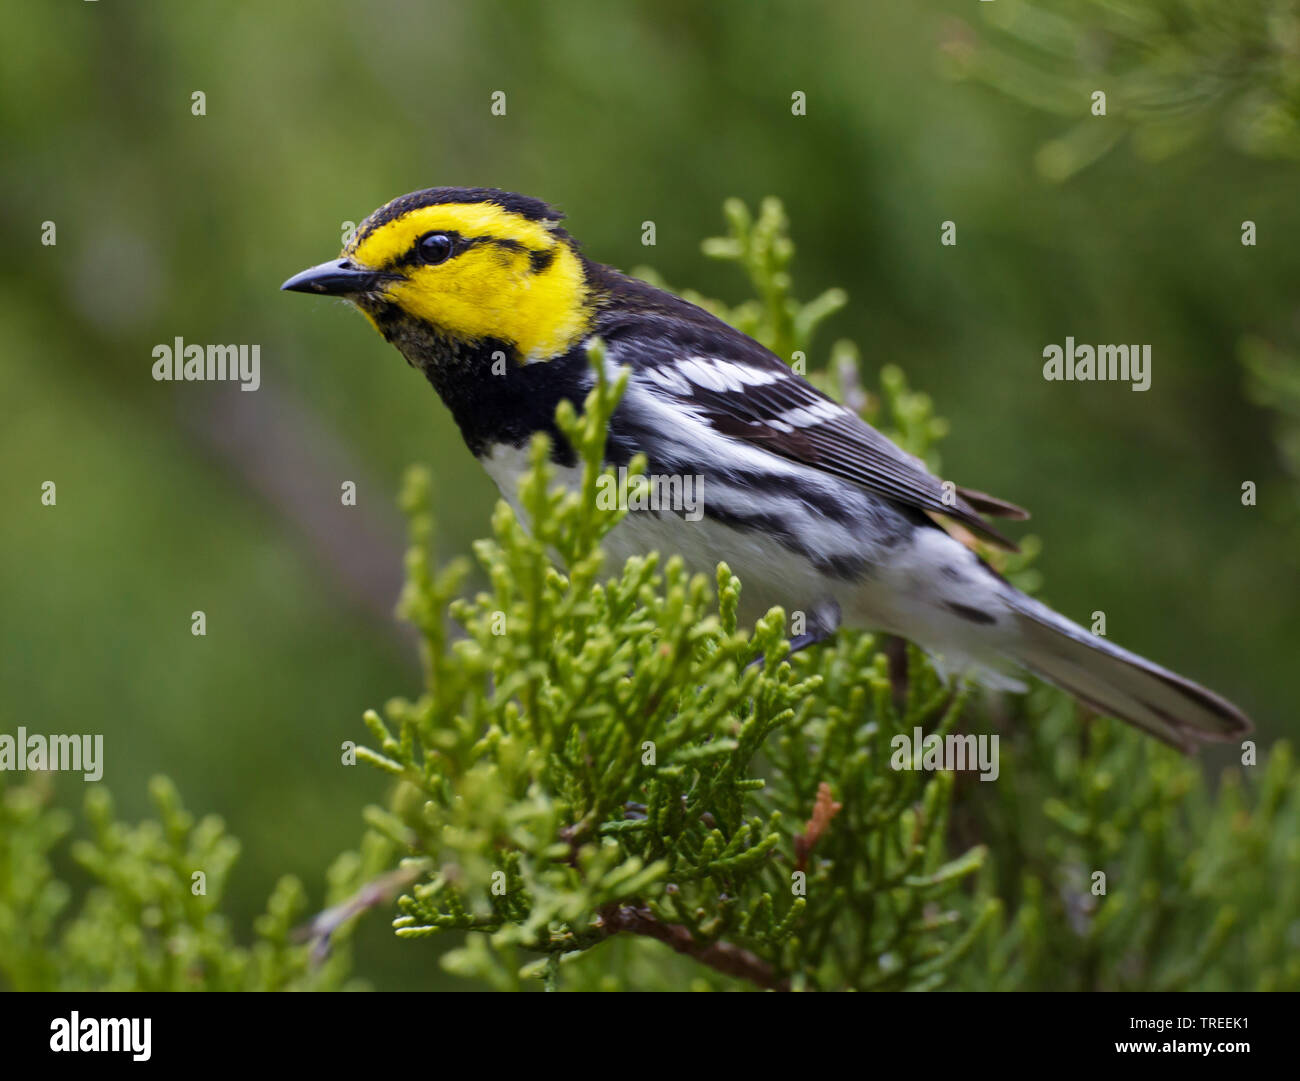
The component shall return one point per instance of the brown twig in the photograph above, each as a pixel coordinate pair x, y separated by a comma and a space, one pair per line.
823, 811
720, 956
895, 650
378, 891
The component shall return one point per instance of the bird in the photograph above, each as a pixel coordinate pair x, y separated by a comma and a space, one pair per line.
488, 295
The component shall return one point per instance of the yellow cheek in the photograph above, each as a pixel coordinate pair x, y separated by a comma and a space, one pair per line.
468, 298
489, 292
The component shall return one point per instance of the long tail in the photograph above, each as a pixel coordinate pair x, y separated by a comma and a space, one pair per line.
1119, 683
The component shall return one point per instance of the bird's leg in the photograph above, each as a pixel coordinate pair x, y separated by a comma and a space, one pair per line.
811, 638
822, 622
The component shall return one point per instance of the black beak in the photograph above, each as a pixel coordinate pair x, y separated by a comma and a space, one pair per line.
338, 278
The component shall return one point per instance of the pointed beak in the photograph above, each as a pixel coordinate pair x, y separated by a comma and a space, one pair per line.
338, 278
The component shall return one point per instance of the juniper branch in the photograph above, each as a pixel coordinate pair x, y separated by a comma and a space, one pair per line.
722, 957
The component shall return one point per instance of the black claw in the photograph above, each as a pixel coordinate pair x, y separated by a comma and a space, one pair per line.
798, 642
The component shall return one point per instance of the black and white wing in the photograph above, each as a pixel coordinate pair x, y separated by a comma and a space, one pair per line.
722, 379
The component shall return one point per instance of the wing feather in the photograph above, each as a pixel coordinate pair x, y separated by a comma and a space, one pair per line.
745, 392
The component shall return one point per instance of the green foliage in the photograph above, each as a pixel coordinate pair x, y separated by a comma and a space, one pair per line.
1273, 382
1201, 889
141, 925
1172, 70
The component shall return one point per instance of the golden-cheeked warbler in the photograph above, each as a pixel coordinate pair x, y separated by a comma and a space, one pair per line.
486, 293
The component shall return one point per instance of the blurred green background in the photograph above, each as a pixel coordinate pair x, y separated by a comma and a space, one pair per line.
178, 497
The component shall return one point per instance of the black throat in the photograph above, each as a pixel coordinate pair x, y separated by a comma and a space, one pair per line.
494, 397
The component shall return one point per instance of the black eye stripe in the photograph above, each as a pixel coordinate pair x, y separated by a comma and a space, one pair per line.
539, 259
414, 257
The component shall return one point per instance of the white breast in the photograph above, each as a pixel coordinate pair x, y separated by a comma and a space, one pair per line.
770, 573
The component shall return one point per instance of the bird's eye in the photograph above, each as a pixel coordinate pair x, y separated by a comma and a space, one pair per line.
434, 248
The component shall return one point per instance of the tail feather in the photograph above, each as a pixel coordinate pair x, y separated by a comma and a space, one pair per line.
1122, 684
